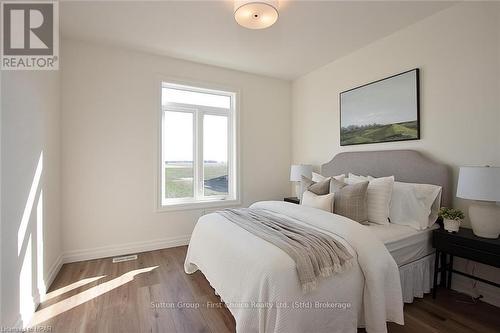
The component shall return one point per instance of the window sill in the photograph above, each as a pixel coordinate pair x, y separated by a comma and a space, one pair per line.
198, 205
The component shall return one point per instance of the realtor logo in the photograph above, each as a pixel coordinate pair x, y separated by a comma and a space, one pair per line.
30, 35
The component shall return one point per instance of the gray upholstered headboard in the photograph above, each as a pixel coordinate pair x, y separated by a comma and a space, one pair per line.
406, 165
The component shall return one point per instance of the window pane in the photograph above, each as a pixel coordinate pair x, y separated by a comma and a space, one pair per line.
178, 154
196, 98
215, 151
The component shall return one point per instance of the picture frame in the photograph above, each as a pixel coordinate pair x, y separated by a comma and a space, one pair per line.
385, 110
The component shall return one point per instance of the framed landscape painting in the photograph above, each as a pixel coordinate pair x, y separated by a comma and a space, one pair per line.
386, 110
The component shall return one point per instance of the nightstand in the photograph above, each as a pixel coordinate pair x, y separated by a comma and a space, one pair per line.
463, 244
294, 200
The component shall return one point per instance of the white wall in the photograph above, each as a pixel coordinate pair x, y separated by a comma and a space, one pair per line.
1, 286
29, 127
109, 146
458, 52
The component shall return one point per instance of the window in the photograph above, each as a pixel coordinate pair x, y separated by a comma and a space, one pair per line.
198, 146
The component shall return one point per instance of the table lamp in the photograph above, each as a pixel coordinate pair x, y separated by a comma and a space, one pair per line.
481, 184
296, 173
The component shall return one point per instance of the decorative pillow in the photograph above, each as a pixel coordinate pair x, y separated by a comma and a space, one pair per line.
357, 178
324, 202
320, 187
316, 177
415, 205
350, 200
378, 197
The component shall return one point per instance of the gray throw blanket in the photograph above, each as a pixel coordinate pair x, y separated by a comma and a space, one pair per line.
315, 253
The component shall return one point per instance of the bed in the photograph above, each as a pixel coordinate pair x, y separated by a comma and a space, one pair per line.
258, 281
411, 249
413, 252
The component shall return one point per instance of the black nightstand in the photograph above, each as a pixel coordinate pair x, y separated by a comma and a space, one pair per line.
463, 244
294, 200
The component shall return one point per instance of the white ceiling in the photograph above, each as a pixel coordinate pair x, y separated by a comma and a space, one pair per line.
308, 34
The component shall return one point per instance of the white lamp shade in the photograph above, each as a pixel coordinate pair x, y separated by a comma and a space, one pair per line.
479, 183
256, 14
299, 170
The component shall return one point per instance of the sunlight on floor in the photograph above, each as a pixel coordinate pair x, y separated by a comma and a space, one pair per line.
72, 286
85, 296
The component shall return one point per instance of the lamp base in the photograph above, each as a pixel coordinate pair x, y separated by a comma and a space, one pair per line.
298, 188
485, 220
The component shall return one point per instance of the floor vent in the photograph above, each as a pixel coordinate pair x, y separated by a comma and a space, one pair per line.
125, 258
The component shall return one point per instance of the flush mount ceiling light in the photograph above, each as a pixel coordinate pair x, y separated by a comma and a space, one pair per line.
254, 14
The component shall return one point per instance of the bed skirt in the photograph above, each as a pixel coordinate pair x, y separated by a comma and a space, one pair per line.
416, 278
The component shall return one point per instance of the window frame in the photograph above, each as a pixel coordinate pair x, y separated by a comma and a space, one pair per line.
199, 201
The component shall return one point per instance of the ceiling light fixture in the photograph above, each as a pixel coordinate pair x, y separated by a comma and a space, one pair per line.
253, 14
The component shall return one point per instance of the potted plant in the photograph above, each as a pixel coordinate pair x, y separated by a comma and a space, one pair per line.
451, 218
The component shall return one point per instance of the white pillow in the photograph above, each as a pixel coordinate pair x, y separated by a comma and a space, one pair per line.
352, 179
415, 205
324, 202
340, 178
378, 196
358, 177
316, 177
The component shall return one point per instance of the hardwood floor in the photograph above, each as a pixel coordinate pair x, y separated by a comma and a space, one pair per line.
142, 296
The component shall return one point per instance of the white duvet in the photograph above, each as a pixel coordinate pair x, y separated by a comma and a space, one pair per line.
259, 283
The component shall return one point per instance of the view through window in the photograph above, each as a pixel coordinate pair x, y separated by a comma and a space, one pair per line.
198, 150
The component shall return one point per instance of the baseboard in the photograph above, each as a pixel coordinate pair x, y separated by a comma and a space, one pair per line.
96, 253
18, 324
39, 295
128, 248
463, 284
53, 271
